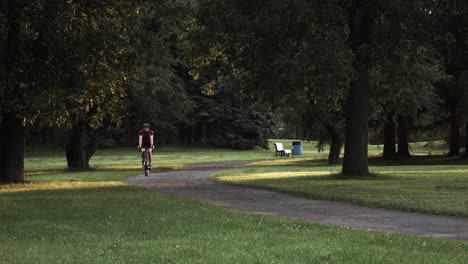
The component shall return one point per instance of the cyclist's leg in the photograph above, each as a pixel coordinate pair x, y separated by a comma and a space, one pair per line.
150, 157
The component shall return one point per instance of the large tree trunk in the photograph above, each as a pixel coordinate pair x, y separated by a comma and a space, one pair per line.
12, 129
454, 139
335, 144
95, 139
403, 144
357, 119
81, 147
12, 147
76, 153
465, 155
456, 61
389, 151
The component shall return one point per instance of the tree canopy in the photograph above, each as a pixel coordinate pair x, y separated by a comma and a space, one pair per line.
219, 72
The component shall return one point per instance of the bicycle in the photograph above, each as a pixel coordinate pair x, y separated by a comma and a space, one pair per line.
145, 160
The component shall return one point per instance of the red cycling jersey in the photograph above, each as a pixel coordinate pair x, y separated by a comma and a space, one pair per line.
146, 135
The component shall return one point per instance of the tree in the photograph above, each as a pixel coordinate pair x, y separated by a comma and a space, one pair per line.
98, 73
63, 65
295, 41
317, 121
450, 32
157, 91
292, 54
13, 127
357, 119
389, 151
227, 121
403, 73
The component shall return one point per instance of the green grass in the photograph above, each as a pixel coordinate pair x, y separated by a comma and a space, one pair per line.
93, 217
46, 161
41, 161
113, 223
423, 185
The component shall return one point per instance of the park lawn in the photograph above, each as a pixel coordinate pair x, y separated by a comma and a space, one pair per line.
422, 185
94, 217
110, 222
47, 164
52, 160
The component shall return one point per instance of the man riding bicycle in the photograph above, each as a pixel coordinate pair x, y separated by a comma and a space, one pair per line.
146, 141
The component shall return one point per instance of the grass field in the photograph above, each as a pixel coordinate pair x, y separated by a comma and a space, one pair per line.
93, 217
108, 222
435, 186
47, 161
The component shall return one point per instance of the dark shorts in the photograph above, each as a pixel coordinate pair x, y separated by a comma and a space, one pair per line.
146, 145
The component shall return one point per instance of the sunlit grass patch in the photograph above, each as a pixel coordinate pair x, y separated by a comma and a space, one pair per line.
46, 172
291, 161
87, 176
272, 175
42, 186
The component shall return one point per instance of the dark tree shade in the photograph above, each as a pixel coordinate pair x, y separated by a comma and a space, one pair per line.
454, 140
403, 143
389, 139
12, 144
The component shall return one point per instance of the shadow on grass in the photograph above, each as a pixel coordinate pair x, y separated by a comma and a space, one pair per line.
419, 161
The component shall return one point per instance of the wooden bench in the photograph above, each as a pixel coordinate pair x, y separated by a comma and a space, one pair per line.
281, 151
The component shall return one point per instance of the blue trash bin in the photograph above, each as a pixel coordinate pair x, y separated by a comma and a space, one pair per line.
297, 148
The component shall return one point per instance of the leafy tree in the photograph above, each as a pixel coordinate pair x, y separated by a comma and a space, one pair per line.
101, 67
65, 64
292, 54
157, 93
313, 122
282, 49
450, 34
361, 21
228, 121
403, 77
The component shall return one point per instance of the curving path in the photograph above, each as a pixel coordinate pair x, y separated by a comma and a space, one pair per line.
193, 183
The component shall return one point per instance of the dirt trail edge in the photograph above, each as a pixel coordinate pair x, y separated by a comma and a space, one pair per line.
193, 183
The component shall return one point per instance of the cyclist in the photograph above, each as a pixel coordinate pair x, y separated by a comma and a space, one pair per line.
146, 141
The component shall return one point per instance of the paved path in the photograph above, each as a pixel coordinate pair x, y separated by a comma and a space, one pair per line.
192, 183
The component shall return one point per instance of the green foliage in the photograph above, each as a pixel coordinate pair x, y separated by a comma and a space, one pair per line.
274, 48
156, 93
292, 54
297, 55
406, 65
69, 62
234, 124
